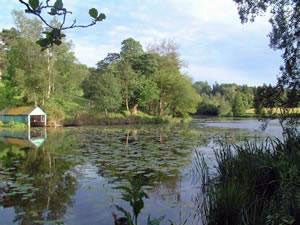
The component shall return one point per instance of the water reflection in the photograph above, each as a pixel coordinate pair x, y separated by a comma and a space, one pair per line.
99, 175
31, 137
33, 182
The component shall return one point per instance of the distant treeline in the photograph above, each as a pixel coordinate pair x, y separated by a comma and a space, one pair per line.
242, 100
224, 99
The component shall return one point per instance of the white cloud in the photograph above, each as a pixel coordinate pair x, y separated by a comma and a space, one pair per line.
224, 75
213, 41
91, 53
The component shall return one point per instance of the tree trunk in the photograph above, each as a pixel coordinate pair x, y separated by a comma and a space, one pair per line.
161, 110
134, 110
49, 74
35, 100
126, 103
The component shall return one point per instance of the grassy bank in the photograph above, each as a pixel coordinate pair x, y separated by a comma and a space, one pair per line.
268, 113
256, 183
274, 112
76, 111
125, 118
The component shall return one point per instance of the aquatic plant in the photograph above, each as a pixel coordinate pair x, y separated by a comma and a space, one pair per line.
134, 195
254, 183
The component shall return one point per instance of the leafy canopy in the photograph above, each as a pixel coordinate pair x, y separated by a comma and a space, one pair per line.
54, 34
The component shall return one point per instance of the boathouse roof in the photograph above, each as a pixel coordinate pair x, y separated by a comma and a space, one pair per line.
24, 110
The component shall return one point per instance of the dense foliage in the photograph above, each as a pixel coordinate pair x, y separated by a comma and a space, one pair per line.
135, 80
224, 99
30, 76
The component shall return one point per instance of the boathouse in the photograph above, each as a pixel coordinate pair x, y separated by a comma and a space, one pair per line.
30, 115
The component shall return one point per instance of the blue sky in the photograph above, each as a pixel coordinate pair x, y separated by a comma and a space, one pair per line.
213, 43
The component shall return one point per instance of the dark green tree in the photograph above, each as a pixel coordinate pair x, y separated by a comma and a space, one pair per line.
103, 88
131, 49
285, 36
202, 88
238, 108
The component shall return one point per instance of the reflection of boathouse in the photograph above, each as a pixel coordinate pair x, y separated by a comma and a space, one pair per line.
24, 138
32, 116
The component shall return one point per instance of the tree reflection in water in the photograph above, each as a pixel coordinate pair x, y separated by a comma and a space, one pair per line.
36, 184
42, 184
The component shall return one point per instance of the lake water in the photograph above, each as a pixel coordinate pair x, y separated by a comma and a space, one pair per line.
89, 175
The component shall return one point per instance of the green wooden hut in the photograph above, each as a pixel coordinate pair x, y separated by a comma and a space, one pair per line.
30, 115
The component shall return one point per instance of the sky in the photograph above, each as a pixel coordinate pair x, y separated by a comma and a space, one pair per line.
213, 43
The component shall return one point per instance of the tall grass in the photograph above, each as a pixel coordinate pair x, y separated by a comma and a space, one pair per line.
255, 183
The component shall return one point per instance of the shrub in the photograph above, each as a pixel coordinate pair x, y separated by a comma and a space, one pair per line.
55, 115
208, 109
1, 124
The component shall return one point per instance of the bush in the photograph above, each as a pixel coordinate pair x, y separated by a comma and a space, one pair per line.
208, 109
55, 115
255, 183
1, 124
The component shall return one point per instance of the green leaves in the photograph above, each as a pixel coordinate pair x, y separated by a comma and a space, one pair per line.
93, 13
37, 7
53, 12
101, 17
34, 4
58, 4
52, 37
44, 42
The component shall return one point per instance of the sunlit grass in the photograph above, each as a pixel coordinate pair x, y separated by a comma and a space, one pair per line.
275, 111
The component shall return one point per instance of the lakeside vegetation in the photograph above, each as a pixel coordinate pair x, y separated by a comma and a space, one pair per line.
131, 86
254, 183
257, 182
232, 100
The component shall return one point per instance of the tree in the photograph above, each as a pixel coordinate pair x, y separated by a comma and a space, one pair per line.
55, 34
32, 76
184, 99
128, 79
238, 108
103, 88
145, 94
176, 93
285, 36
108, 60
146, 64
131, 49
26, 63
202, 88
149, 81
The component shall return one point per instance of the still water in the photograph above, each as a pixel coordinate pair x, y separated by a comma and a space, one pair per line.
97, 175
